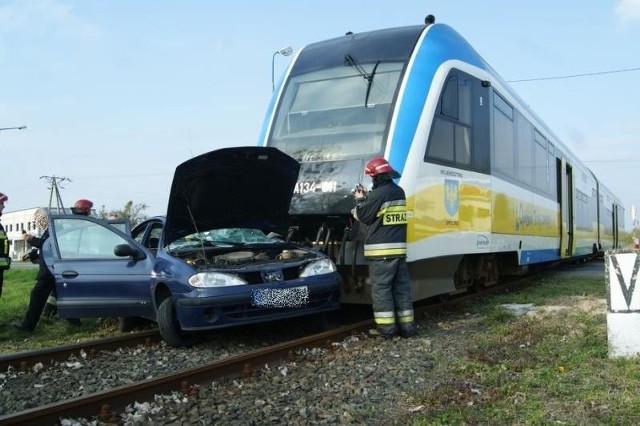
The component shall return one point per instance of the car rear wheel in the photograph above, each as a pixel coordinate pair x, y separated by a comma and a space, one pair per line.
169, 326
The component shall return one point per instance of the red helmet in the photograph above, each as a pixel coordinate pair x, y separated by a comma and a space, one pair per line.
378, 166
82, 207
3, 198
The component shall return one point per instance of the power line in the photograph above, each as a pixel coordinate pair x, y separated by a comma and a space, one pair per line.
575, 75
626, 160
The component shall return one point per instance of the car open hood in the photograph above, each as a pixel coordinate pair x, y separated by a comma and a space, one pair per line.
241, 187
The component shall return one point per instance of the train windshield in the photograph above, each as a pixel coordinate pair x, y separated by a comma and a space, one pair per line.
336, 113
338, 99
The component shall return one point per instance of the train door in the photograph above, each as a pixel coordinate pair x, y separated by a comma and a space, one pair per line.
565, 197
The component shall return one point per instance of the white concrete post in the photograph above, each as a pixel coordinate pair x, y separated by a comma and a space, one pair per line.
623, 302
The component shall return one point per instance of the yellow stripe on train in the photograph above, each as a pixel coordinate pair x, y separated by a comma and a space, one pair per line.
438, 210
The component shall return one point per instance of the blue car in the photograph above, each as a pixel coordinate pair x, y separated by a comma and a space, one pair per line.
219, 257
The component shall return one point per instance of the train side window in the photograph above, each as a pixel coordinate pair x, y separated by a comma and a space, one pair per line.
502, 105
541, 164
451, 137
524, 150
465, 96
449, 102
503, 136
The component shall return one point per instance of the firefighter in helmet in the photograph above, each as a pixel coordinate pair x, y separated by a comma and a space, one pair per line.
5, 258
384, 211
82, 207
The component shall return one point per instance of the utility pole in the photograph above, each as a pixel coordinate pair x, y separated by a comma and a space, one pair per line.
53, 187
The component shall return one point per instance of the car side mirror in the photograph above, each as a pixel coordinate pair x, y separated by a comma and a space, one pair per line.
125, 250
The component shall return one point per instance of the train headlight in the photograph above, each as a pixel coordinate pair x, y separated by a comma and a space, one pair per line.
318, 267
215, 279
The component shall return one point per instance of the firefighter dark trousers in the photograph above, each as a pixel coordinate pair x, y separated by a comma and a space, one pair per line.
391, 294
39, 294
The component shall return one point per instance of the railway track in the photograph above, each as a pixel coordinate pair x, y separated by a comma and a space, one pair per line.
22, 361
103, 404
106, 404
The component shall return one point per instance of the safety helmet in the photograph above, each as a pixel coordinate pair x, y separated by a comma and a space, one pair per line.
82, 206
379, 166
3, 198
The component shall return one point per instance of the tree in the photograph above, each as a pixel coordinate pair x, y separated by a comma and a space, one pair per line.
130, 211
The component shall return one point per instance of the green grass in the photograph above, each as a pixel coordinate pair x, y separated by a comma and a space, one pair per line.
529, 370
49, 332
15, 293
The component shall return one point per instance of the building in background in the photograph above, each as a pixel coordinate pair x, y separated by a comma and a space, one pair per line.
20, 222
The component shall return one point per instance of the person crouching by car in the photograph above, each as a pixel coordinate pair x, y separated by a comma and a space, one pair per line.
5, 258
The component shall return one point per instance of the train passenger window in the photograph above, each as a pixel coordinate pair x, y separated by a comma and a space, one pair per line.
541, 165
504, 141
524, 150
503, 106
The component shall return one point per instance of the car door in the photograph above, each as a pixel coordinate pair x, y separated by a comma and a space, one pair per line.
91, 280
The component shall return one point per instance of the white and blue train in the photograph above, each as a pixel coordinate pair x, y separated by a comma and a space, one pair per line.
491, 191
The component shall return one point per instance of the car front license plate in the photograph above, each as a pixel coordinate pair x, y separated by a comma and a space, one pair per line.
294, 297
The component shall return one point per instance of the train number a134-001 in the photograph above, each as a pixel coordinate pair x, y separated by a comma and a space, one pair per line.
306, 187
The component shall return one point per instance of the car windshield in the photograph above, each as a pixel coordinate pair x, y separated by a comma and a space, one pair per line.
224, 237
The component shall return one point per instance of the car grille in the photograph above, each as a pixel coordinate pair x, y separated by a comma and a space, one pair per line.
258, 277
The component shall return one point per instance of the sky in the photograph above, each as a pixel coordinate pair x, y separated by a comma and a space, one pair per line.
116, 93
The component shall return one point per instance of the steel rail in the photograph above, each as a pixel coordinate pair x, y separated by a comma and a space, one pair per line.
26, 359
102, 404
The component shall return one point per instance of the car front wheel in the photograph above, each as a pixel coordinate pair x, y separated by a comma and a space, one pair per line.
169, 326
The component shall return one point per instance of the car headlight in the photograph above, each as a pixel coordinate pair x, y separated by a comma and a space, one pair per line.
319, 267
215, 279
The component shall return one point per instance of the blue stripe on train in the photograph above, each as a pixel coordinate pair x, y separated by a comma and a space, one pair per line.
537, 256
441, 44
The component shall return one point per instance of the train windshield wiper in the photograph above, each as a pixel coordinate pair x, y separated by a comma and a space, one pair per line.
373, 73
350, 60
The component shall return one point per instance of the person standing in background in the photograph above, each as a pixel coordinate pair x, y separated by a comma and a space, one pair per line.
5, 258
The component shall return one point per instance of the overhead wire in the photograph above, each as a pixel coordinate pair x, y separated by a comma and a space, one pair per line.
575, 75
586, 75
